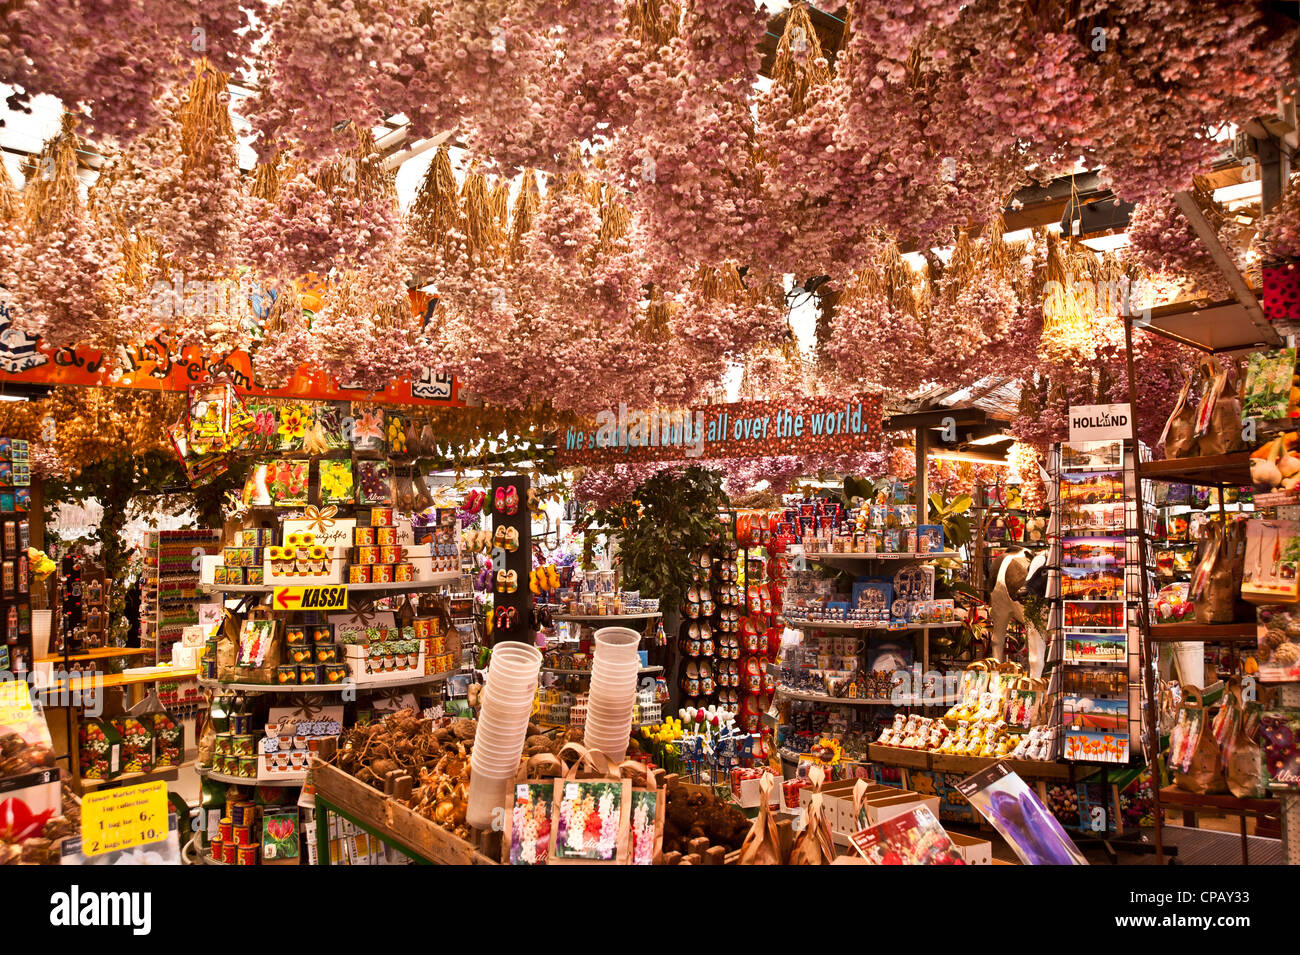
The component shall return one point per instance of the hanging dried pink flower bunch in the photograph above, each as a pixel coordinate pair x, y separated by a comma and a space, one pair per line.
1279, 230
1163, 241
112, 60
59, 269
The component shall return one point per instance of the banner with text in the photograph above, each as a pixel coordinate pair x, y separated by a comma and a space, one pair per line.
738, 429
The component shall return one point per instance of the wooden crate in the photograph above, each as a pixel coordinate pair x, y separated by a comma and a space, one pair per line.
408, 829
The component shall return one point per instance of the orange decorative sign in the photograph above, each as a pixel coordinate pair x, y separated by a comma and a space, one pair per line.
154, 365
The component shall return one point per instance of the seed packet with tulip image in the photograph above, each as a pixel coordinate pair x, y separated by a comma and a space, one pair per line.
266, 425
280, 836
289, 482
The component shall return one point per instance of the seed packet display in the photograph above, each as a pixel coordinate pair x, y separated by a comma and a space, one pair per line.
590, 820
257, 488
912, 838
1268, 384
280, 836
1005, 800
1270, 573
330, 425
1279, 734
254, 640
288, 481
295, 420
529, 824
367, 427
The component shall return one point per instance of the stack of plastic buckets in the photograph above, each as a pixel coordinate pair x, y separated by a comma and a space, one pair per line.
502, 727
610, 703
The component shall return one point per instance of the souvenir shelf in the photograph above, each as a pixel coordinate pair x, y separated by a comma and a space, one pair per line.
1208, 632
848, 625
298, 688
1229, 326
215, 776
169, 591
562, 672
436, 583
604, 618
15, 605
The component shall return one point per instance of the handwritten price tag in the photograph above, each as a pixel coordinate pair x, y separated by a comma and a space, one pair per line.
123, 818
15, 702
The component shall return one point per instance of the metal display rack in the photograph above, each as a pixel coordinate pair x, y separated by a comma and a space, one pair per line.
1233, 327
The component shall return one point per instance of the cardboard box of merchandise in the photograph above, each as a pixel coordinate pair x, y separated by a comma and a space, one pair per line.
357, 666
837, 800
973, 851
750, 794
888, 807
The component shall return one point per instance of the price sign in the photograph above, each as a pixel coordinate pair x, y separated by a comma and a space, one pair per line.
123, 818
15, 702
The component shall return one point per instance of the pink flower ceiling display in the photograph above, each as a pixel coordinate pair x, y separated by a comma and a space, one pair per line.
558, 319
687, 155
365, 334
342, 215
112, 60
329, 63
60, 269
286, 339
176, 196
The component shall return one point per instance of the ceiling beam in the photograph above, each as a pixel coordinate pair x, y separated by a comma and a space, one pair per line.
1240, 289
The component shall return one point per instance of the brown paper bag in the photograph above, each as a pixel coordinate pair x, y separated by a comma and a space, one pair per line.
1219, 417
1216, 578
1179, 437
591, 818
526, 835
763, 844
228, 670
813, 845
1203, 774
1243, 758
649, 806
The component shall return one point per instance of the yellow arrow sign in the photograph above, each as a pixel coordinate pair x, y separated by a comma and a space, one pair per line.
123, 818
310, 598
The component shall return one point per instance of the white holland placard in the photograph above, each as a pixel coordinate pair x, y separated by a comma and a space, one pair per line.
1100, 423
